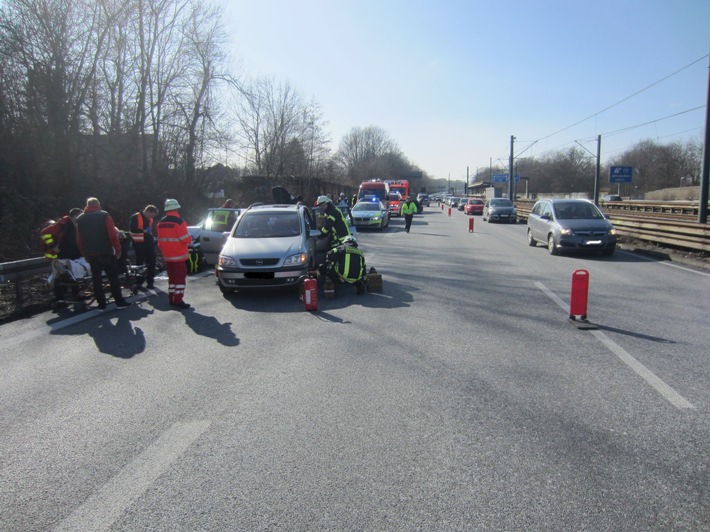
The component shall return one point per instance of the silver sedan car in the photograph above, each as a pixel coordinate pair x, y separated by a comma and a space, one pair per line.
570, 225
270, 246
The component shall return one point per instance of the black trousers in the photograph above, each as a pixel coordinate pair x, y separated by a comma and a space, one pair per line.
108, 264
145, 254
408, 221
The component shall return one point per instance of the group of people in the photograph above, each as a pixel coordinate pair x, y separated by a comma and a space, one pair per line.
92, 234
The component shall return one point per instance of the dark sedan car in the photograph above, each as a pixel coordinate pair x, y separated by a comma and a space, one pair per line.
499, 210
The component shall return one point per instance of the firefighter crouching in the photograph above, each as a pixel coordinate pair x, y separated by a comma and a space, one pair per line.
346, 264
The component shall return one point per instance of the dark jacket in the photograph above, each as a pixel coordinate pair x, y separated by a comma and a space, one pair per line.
97, 233
335, 224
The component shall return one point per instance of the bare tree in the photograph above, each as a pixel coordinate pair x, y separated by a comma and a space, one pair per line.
368, 153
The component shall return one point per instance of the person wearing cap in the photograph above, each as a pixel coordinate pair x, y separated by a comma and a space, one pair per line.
342, 200
98, 242
173, 241
335, 226
409, 209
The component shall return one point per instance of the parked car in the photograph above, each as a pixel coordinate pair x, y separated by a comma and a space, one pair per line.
396, 200
269, 246
212, 231
499, 210
474, 206
371, 214
570, 225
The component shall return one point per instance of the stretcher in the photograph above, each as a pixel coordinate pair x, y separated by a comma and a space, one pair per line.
73, 283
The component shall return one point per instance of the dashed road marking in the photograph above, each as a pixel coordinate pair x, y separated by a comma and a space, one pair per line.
107, 504
646, 374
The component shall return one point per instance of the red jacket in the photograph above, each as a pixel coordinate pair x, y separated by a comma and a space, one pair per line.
173, 237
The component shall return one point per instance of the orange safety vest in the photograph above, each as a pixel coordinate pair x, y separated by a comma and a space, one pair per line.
139, 236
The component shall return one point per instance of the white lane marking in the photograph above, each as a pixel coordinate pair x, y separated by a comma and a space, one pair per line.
646, 374
665, 263
642, 371
106, 505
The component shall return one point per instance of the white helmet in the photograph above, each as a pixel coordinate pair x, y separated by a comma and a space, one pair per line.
350, 241
322, 199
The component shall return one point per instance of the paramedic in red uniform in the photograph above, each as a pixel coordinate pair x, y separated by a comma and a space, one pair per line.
173, 239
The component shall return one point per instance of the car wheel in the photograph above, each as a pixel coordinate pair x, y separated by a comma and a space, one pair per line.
531, 241
551, 246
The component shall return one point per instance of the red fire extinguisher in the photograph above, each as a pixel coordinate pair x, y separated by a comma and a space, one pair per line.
310, 292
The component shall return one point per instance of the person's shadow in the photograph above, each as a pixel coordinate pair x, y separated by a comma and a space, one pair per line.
114, 334
211, 327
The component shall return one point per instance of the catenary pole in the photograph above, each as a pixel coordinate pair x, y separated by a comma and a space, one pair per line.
511, 174
705, 174
597, 175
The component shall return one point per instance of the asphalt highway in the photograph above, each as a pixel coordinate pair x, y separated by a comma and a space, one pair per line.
459, 398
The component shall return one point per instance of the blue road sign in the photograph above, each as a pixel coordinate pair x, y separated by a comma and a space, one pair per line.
503, 178
621, 174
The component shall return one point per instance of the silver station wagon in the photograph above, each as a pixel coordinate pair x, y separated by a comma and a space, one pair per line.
570, 225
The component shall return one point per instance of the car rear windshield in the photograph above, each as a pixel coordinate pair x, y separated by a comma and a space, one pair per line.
576, 210
268, 225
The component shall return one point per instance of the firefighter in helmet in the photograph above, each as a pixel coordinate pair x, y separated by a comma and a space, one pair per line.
335, 226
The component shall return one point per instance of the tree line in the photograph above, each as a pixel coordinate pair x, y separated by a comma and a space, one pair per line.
134, 101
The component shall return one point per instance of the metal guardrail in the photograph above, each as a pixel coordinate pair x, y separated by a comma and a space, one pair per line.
18, 270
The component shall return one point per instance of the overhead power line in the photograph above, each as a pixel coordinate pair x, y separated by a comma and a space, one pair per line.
627, 98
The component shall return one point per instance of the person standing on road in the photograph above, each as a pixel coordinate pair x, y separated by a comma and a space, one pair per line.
98, 242
173, 241
141, 229
409, 209
335, 225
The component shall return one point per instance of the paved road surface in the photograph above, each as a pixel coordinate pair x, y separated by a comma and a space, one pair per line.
460, 398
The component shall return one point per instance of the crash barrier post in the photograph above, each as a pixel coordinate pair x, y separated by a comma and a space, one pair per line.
579, 294
470, 225
449, 211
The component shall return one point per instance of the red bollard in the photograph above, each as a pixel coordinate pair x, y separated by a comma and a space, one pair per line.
442, 206
449, 211
578, 294
470, 224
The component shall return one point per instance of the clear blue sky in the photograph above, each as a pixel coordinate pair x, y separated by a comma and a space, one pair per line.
451, 81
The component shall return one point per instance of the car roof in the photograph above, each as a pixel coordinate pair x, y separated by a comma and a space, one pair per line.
274, 207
